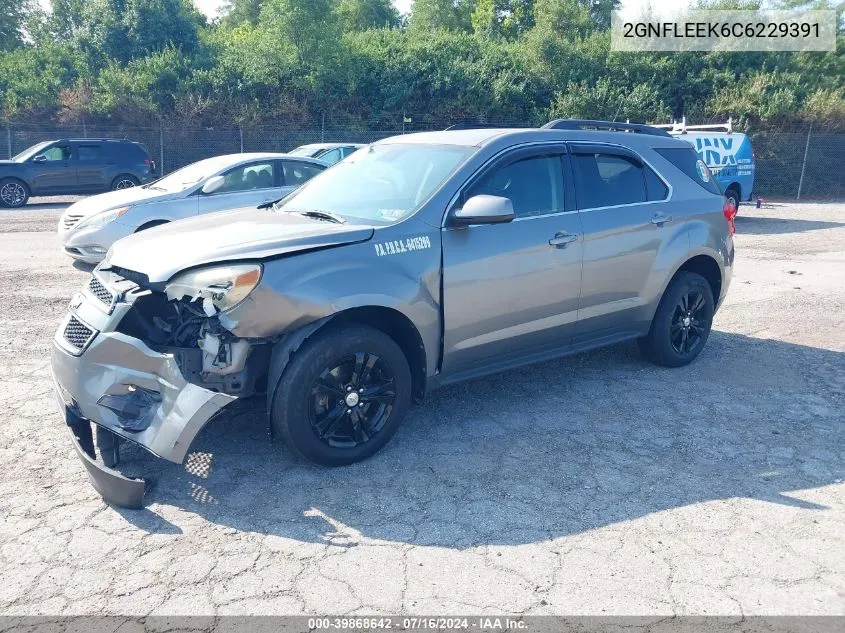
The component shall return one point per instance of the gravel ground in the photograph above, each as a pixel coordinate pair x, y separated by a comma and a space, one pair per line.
597, 484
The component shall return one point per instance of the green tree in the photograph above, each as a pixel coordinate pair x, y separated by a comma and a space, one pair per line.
123, 30
361, 15
453, 15
13, 14
237, 12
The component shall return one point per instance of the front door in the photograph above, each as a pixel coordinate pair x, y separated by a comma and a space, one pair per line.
511, 290
246, 185
54, 170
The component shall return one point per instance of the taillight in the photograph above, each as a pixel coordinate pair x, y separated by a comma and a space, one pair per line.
729, 211
149, 162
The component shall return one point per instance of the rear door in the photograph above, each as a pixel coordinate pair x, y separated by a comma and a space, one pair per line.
247, 185
54, 169
92, 169
511, 290
622, 203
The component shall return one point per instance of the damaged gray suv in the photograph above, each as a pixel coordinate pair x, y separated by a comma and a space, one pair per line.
419, 261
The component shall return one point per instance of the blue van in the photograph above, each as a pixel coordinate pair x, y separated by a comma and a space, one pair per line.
728, 154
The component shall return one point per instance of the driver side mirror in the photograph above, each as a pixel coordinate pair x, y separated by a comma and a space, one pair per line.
40, 159
213, 184
484, 209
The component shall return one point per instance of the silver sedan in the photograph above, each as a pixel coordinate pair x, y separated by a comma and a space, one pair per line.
89, 227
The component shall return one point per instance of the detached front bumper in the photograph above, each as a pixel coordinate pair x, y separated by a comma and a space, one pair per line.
121, 385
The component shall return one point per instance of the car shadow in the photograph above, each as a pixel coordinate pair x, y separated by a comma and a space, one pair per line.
87, 268
750, 225
536, 453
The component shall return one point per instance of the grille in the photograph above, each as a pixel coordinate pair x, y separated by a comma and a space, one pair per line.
69, 220
77, 333
100, 291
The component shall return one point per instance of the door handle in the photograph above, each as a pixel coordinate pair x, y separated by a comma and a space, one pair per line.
661, 219
560, 240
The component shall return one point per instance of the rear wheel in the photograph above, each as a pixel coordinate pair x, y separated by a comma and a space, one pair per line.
682, 323
124, 181
13, 193
342, 396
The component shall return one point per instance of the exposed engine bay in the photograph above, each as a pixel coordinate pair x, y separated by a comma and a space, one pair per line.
208, 354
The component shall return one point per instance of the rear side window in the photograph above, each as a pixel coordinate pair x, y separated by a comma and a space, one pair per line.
132, 151
655, 187
688, 162
89, 152
533, 185
606, 180
295, 173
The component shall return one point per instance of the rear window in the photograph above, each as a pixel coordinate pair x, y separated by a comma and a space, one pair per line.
687, 161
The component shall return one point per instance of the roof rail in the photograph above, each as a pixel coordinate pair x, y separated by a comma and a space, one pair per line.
681, 127
581, 124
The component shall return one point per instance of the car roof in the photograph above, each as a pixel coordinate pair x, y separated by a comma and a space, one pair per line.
329, 145
515, 136
94, 140
227, 160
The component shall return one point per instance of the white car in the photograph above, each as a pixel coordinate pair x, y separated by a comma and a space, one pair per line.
89, 227
329, 153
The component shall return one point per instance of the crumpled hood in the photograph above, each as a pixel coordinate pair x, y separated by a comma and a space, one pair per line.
161, 252
113, 199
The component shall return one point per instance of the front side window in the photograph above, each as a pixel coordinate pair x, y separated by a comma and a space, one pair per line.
383, 183
534, 185
57, 152
606, 180
248, 177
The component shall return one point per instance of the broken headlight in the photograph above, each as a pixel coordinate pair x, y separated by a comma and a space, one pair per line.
220, 287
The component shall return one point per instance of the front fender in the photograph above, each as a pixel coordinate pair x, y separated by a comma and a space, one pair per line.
302, 289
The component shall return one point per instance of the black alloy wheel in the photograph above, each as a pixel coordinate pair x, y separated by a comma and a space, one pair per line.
351, 400
688, 326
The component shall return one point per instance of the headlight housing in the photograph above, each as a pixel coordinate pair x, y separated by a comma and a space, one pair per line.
223, 287
101, 219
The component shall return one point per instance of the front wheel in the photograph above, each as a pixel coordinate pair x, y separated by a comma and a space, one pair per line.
13, 193
682, 323
342, 396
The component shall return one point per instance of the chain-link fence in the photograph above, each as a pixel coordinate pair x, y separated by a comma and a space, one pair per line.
806, 164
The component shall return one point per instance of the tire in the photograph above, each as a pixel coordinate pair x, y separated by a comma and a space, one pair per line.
672, 341
322, 389
124, 181
732, 194
13, 193
150, 225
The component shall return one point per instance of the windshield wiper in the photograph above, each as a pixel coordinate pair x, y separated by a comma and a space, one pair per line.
323, 215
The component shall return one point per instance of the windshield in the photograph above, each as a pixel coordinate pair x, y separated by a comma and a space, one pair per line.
304, 151
383, 183
30, 152
183, 178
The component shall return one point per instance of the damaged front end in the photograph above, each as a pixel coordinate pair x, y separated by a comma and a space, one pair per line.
152, 365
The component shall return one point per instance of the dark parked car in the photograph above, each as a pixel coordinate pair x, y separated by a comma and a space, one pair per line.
74, 166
